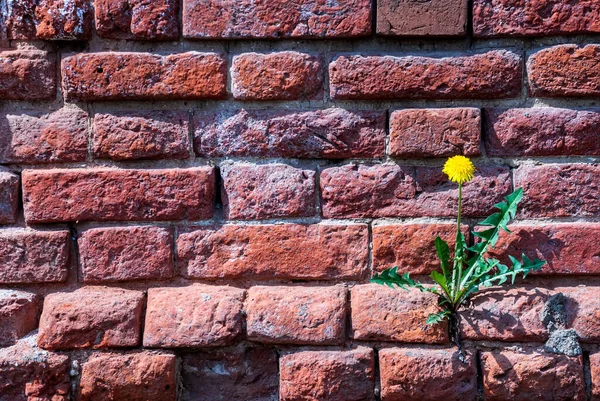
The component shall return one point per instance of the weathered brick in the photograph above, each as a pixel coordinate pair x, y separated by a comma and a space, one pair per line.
427, 374
495, 74
105, 194
194, 316
559, 190
57, 137
141, 135
9, 196
330, 134
29, 373
27, 75
328, 375
506, 315
267, 191
415, 18
276, 76
595, 376
144, 76
383, 314
542, 132
582, 310
274, 251
421, 133
535, 18
30, 256
239, 374
149, 376
531, 375
49, 19
137, 19
565, 70
18, 314
214, 19
91, 317
296, 315
126, 253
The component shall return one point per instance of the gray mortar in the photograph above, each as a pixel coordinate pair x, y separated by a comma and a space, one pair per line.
553, 316
563, 342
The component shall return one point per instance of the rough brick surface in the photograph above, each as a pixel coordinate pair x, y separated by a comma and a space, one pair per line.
149, 376
239, 374
287, 251
144, 76
535, 18
57, 137
559, 190
542, 132
531, 375
137, 135
27, 75
495, 74
110, 194
213, 19
18, 314
384, 314
565, 70
256, 192
91, 317
296, 315
126, 253
31, 256
137, 19
331, 134
427, 374
276, 76
415, 18
595, 376
194, 316
328, 375
423, 133
9, 196
582, 310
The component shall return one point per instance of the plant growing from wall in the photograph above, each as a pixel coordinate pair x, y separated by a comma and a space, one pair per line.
469, 268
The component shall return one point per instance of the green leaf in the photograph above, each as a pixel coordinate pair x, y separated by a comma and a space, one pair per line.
441, 280
436, 318
391, 278
443, 252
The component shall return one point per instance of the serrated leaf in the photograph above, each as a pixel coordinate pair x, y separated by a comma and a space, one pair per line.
443, 252
436, 318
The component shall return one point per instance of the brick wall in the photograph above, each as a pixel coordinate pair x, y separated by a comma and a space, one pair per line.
194, 195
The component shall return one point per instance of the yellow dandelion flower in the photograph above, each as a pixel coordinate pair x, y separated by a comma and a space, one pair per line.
459, 169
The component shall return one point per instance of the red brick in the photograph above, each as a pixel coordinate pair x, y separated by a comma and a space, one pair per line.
126, 253
380, 313
415, 18
321, 134
214, 19
144, 76
57, 137
559, 190
531, 375
9, 196
194, 316
411, 247
567, 248
267, 191
582, 310
106, 194
28, 373
422, 133
276, 76
296, 315
595, 376
137, 19
427, 374
18, 314
49, 19
91, 317
565, 70
542, 132
275, 251
328, 375
535, 18
27, 75
506, 315
495, 74
240, 374
141, 135
30, 256
149, 376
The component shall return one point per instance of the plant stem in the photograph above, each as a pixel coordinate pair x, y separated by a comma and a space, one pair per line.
458, 254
